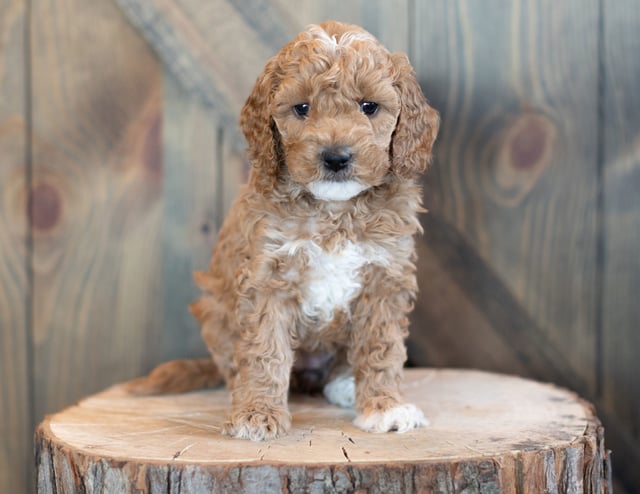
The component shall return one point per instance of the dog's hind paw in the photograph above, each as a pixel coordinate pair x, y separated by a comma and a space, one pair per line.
341, 391
258, 424
400, 418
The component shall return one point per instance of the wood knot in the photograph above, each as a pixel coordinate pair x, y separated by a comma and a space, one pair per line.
529, 143
518, 155
45, 207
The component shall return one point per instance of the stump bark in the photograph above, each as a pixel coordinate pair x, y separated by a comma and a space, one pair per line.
489, 433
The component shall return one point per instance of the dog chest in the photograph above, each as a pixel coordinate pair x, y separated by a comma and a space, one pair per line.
332, 279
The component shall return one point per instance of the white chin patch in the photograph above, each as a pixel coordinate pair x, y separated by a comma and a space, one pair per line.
327, 190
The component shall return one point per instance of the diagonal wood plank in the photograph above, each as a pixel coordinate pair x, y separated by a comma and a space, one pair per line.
215, 49
487, 327
494, 304
16, 420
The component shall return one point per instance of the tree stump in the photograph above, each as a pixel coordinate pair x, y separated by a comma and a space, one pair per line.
489, 433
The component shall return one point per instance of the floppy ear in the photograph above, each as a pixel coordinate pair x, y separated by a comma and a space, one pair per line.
260, 130
417, 124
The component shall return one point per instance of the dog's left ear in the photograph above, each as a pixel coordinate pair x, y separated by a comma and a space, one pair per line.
260, 131
417, 124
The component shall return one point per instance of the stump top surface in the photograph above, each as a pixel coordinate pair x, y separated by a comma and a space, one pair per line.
472, 414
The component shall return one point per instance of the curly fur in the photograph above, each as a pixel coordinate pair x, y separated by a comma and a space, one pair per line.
298, 270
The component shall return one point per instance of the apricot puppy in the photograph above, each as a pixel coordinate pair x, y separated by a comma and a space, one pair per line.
317, 252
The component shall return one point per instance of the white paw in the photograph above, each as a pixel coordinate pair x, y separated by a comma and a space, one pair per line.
341, 391
401, 418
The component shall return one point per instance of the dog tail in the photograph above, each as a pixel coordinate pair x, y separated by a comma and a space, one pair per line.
177, 376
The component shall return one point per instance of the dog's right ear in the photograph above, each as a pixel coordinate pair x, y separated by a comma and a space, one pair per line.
417, 124
260, 130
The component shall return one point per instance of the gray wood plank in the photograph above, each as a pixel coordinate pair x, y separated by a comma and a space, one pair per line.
216, 49
192, 213
621, 173
388, 20
97, 168
516, 170
16, 420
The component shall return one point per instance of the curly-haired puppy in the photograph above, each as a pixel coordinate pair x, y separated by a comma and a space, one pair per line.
317, 252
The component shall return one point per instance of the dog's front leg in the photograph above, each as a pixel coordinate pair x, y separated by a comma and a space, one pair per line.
378, 354
263, 358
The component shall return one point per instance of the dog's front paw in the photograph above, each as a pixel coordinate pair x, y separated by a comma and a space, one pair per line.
258, 424
400, 418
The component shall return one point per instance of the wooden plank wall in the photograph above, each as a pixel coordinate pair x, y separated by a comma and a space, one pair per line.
97, 188
620, 181
517, 164
529, 263
16, 421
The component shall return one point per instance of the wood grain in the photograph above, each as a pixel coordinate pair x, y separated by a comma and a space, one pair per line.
485, 309
192, 211
16, 421
216, 49
488, 433
97, 181
130, 183
621, 221
373, 15
516, 168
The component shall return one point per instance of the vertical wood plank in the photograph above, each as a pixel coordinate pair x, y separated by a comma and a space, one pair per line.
621, 159
204, 169
516, 166
191, 214
97, 199
15, 411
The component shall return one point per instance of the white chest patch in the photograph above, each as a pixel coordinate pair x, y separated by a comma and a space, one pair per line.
332, 279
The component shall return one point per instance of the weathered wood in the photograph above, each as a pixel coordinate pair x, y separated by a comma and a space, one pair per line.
515, 177
97, 181
203, 171
490, 308
488, 433
216, 49
192, 213
620, 338
15, 385
373, 15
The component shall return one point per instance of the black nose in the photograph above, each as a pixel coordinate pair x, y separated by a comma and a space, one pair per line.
336, 158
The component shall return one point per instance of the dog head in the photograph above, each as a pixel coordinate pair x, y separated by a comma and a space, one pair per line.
335, 113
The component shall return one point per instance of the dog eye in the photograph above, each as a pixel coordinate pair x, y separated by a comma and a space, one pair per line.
369, 108
301, 110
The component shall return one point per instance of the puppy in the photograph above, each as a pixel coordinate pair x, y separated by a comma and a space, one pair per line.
317, 253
